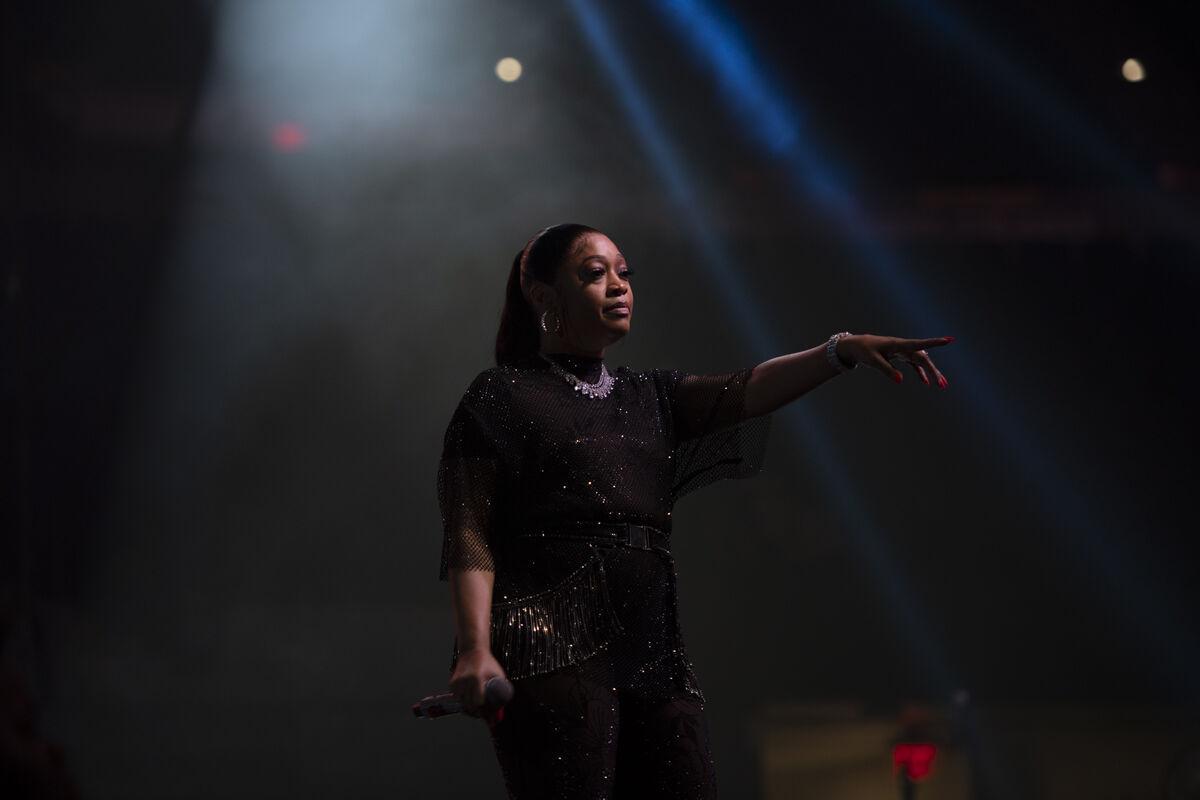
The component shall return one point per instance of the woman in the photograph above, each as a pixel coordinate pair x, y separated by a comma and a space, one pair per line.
556, 485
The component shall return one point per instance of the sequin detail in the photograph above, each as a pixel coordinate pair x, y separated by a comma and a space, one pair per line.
570, 734
524, 452
557, 627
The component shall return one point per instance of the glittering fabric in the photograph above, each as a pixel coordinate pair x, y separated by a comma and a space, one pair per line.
524, 452
571, 734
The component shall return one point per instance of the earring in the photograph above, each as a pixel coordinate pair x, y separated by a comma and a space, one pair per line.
557, 323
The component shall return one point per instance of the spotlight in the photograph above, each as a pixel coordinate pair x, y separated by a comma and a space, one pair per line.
1133, 71
508, 69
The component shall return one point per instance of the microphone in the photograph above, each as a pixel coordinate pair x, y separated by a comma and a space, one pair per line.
496, 692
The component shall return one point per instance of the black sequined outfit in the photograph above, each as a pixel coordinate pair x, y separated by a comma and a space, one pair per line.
579, 624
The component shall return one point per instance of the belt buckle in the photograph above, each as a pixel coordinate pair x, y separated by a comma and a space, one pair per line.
638, 537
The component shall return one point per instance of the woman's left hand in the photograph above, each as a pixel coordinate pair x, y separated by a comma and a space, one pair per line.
879, 351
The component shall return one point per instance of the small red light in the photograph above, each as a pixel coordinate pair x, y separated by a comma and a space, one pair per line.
915, 758
288, 137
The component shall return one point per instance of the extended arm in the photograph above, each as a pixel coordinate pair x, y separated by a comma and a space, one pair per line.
780, 380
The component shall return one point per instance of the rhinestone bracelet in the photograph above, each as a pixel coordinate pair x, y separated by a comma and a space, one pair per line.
832, 356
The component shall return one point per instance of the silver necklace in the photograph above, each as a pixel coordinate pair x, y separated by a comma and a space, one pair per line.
597, 390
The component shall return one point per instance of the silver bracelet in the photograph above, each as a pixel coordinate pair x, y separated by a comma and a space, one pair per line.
832, 356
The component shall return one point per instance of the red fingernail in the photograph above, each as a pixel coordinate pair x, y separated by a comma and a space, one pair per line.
941, 382
897, 377
948, 338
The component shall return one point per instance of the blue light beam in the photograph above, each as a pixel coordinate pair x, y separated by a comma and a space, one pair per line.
810, 438
770, 119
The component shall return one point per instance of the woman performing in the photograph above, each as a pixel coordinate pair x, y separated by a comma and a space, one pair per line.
556, 485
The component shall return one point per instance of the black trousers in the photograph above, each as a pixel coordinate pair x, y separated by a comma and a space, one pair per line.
571, 734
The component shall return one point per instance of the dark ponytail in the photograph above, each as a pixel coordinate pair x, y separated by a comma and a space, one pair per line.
519, 330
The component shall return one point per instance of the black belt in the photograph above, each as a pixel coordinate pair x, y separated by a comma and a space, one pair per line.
630, 534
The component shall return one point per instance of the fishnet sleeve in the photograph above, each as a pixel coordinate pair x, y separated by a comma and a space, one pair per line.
467, 483
712, 437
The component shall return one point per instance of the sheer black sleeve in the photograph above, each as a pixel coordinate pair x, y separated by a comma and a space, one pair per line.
467, 485
712, 436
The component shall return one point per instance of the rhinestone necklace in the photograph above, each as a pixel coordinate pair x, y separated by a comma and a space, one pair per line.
597, 390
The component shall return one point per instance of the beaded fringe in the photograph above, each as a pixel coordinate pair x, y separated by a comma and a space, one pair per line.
557, 627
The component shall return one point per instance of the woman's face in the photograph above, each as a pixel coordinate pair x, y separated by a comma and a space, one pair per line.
595, 297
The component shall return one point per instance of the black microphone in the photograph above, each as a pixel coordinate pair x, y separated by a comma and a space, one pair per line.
496, 692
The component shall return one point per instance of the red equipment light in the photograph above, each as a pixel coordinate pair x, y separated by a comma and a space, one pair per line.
915, 758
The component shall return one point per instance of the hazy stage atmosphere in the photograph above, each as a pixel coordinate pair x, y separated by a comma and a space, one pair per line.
256, 250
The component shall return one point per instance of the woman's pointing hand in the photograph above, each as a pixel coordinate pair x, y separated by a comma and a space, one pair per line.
880, 351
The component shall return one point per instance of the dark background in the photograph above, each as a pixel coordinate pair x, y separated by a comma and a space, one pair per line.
230, 350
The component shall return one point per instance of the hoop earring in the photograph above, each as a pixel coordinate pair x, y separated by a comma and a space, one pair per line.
557, 323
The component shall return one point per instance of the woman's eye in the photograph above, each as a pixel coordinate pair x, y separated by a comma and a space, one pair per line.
596, 273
